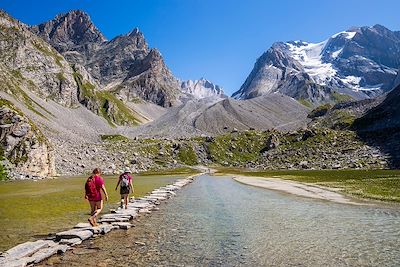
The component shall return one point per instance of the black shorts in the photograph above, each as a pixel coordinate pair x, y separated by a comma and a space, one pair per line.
124, 190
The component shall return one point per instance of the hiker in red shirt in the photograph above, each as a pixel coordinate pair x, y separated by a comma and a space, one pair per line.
93, 187
125, 186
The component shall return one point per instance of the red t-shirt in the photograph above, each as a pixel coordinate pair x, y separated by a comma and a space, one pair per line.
93, 188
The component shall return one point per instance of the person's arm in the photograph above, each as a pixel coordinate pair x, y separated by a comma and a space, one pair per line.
86, 196
131, 185
119, 180
105, 192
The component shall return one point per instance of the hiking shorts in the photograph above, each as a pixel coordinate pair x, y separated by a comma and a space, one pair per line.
124, 190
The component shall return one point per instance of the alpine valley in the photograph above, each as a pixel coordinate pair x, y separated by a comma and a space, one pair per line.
71, 100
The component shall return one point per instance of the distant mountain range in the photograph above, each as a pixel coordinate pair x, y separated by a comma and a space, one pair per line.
359, 63
63, 85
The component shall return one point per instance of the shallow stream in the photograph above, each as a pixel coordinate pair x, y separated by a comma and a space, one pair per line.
218, 222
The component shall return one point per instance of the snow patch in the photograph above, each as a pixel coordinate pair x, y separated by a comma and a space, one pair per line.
310, 57
354, 83
336, 53
346, 34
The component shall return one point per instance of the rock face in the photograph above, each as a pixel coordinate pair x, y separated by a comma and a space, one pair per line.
70, 31
397, 80
124, 65
30, 64
202, 89
357, 63
26, 150
383, 117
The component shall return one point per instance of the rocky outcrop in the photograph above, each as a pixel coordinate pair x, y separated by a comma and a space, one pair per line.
354, 64
125, 66
27, 152
30, 64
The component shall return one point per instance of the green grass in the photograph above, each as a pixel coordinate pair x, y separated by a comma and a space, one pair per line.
339, 98
121, 115
113, 137
30, 209
3, 172
237, 148
187, 155
305, 102
342, 119
320, 111
372, 184
176, 171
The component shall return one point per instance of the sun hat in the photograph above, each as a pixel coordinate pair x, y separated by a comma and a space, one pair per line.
127, 169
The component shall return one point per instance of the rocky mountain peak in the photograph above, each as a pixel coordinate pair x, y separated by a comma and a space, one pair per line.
134, 32
68, 30
359, 63
202, 88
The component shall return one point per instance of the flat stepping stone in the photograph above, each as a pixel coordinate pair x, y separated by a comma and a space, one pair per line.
140, 205
27, 249
116, 216
22, 262
158, 197
154, 198
74, 233
123, 225
48, 252
83, 225
70, 242
115, 219
100, 229
132, 213
145, 211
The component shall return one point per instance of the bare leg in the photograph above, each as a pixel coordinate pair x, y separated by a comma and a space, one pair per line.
98, 208
126, 201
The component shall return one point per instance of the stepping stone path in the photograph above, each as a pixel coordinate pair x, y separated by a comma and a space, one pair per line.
30, 253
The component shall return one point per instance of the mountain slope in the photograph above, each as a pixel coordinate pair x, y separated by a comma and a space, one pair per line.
202, 117
124, 66
358, 63
385, 116
29, 63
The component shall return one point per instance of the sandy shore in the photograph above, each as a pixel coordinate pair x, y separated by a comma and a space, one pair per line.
296, 188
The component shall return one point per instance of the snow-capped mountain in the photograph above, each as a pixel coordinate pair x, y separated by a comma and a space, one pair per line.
202, 88
357, 63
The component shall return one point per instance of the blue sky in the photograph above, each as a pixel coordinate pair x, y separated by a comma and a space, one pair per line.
218, 40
